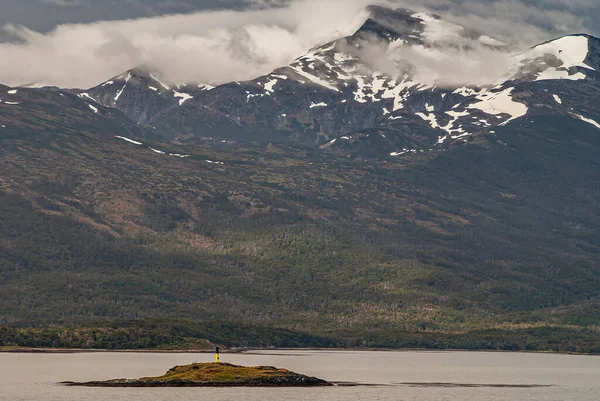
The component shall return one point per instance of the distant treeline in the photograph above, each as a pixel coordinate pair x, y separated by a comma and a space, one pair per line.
550, 339
160, 335
156, 335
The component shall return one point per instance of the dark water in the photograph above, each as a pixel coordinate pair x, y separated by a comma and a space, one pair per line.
414, 376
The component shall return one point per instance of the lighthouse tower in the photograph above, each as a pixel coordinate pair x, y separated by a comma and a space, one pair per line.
217, 358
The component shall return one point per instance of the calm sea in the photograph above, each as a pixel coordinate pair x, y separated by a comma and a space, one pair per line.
414, 376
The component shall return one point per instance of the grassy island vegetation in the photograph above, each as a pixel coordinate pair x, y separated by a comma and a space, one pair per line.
216, 375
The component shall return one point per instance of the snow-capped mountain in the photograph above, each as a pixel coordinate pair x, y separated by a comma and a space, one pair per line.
534, 85
331, 91
366, 86
378, 90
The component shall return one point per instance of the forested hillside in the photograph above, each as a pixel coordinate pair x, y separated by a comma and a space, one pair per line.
499, 233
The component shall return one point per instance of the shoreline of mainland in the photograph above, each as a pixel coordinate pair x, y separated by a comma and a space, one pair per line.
264, 351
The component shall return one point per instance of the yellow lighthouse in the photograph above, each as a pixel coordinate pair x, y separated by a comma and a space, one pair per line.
217, 359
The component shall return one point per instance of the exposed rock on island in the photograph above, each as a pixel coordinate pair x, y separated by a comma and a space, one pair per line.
215, 375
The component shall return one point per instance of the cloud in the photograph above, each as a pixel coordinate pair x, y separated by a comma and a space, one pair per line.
518, 21
215, 46
471, 63
67, 3
229, 45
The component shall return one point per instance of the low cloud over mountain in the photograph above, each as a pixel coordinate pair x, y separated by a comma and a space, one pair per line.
218, 46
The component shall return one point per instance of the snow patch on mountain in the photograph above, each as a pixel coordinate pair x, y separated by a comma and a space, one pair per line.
167, 87
429, 118
369, 90
313, 78
454, 131
205, 87
563, 58
467, 91
119, 93
571, 50
87, 96
270, 85
128, 140
183, 97
496, 103
588, 120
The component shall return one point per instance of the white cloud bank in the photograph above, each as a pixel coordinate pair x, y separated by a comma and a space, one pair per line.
216, 46
222, 46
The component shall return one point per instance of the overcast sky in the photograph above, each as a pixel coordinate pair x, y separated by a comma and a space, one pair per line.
44, 15
211, 39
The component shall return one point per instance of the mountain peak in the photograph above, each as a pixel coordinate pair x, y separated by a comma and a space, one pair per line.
142, 70
140, 93
392, 25
140, 75
389, 23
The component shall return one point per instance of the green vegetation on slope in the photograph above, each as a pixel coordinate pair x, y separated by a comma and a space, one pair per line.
153, 335
156, 335
499, 234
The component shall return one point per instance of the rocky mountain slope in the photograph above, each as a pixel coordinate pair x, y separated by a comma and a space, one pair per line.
39, 116
338, 97
140, 94
500, 232
335, 94
325, 196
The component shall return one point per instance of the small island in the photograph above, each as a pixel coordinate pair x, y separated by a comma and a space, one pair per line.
215, 375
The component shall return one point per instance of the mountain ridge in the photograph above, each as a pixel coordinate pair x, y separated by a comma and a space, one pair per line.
295, 101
